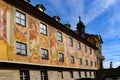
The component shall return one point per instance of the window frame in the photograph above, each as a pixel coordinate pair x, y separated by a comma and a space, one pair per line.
70, 41
91, 63
80, 61
59, 36
16, 17
71, 74
72, 59
86, 61
61, 57
43, 29
79, 46
90, 50
85, 48
43, 55
21, 44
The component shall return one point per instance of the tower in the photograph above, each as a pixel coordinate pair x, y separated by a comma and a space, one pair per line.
80, 27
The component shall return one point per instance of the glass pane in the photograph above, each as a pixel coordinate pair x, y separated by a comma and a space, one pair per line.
22, 16
44, 32
17, 50
17, 45
17, 20
44, 27
17, 14
22, 22
23, 52
23, 46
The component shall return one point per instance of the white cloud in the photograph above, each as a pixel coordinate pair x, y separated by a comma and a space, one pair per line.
97, 7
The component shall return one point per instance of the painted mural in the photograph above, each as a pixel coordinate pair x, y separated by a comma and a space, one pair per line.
3, 31
53, 45
3, 17
20, 33
34, 41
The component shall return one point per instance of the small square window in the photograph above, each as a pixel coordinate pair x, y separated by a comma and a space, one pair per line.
72, 59
90, 51
91, 63
70, 41
59, 36
86, 62
44, 53
80, 61
71, 74
79, 46
44, 75
95, 64
61, 57
43, 29
24, 75
21, 48
85, 48
20, 18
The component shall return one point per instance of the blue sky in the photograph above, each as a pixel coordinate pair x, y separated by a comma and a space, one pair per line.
101, 17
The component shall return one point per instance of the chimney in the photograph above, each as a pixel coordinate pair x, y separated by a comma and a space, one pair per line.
40, 7
57, 18
67, 25
28, 1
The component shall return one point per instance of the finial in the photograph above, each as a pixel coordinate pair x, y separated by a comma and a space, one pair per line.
111, 64
79, 18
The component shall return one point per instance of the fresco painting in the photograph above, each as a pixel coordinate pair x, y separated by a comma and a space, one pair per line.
3, 18
60, 47
53, 45
20, 33
3, 31
34, 41
44, 41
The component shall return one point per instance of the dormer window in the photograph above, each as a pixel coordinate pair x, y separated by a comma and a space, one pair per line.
57, 18
28, 1
40, 7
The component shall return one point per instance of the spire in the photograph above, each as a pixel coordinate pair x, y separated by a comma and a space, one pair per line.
80, 27
79, 18
111, 64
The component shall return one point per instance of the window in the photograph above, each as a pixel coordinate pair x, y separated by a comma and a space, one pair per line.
43, 29
85, 48
44, 75
79, 45
91, 63
95, 64
70, 41
61, 74
44, 53
90, 73
61, 57
59, 36
86, 62
80, 61
79, 73
71, 74
24, 75
21, 48
85, 74
72, 59
90, 51
20, 18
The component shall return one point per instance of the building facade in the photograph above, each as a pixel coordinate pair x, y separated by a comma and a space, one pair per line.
35, 46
